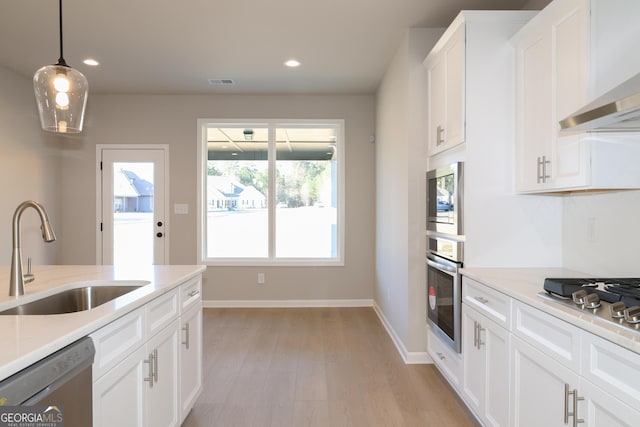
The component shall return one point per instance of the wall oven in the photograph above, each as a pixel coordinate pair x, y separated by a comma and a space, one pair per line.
444, 288
445, 199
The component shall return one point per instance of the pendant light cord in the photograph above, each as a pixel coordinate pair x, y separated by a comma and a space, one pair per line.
61, 60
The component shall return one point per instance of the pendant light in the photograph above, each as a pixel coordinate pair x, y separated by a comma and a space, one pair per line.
61, 94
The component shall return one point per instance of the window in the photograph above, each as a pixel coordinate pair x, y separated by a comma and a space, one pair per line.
271, 192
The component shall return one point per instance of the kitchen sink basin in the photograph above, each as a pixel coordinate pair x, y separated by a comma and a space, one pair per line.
72, 300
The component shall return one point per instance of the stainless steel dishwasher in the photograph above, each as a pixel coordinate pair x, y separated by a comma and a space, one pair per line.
62, 379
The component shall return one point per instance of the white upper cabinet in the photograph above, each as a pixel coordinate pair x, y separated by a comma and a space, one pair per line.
558, 70
445, 69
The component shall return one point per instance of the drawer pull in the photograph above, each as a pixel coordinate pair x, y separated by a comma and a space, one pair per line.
574, 413
150, 362
482, 300
185, 328
193, 293
441, 356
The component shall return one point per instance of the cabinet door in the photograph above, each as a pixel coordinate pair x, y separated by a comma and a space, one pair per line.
533, 109
570, 164
600, 408
497, 343
473, 360
538, 387
446, 98
190, 358
436, 73
486, 369
119, 396
455, 91
162, 403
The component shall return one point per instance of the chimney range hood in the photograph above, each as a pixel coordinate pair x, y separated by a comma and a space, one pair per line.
616, 110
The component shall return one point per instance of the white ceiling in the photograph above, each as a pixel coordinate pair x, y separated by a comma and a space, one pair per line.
160, 46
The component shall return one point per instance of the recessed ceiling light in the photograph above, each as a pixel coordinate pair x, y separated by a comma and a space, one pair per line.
292, 63
91, 61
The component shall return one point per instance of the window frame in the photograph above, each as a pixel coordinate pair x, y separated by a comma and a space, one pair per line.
271, 124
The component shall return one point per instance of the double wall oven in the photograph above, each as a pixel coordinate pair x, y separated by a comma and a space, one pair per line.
445, 247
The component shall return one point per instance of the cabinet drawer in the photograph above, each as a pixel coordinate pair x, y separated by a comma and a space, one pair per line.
161, 311
446, 359
117, 339
190, 293
493, 304
612, 368
554, 337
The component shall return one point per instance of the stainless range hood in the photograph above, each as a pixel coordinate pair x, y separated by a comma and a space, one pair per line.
616, 110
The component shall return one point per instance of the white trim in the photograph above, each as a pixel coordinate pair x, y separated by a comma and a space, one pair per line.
409, 357
287, 303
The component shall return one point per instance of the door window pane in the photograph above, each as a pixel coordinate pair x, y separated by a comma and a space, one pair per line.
133, 202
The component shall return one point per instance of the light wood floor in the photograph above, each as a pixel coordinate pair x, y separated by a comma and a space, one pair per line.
314, 367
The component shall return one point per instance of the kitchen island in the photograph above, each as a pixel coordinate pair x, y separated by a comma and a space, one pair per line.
26, 339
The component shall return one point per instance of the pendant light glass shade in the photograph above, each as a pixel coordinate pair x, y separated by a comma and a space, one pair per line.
61, 94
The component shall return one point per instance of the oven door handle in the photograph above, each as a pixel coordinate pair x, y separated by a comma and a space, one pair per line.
441, 266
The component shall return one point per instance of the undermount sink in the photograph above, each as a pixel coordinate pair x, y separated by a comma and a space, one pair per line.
73, 300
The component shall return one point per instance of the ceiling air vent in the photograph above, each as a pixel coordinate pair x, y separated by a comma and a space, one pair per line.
218, 82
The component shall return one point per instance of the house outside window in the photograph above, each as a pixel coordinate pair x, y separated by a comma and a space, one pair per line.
272, 192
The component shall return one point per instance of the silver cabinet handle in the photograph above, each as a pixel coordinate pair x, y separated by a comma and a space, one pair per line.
193, 293
475, 334
439, 137
542, 169
155, 365
185, 328
480, 330
149, 361
574, 413
441, 356
481, 300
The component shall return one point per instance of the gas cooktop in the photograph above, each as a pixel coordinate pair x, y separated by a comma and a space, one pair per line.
616, 300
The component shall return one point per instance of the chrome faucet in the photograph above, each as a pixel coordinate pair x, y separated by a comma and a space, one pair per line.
17, 281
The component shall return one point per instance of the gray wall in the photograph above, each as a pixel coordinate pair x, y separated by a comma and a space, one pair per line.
171, 119
29, 169
401, 161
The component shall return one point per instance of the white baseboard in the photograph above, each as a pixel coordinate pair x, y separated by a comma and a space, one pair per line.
287, 303
409, 357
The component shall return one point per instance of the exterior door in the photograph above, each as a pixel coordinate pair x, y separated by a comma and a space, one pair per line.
132, 225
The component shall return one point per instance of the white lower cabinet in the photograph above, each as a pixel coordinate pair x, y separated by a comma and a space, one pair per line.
162, 404
142, 389
485, 379
147, 370
563, 375
120, 398
539, 392
190, 358
524, 367
600, 408
445, 358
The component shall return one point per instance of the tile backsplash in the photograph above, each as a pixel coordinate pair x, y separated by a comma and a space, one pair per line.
601, 233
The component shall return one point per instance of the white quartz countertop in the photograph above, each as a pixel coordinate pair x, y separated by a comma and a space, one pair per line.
26, 339
524, 284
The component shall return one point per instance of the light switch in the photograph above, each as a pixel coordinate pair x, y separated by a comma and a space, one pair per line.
181, 209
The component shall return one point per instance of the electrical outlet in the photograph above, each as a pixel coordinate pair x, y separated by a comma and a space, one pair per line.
260, 278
